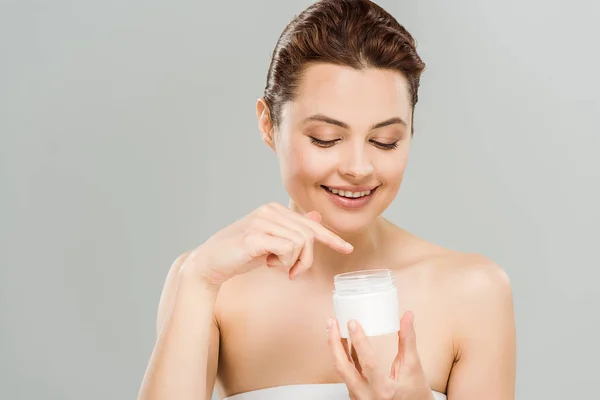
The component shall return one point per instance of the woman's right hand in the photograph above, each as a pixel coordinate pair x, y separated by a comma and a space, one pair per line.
272, 235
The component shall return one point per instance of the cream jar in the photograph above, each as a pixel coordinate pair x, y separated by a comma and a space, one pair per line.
369, 297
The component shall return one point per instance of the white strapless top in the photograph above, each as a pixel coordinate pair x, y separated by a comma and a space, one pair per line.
320, 391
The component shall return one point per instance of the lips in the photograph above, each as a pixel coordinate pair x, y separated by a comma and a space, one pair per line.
351, 194
350, 197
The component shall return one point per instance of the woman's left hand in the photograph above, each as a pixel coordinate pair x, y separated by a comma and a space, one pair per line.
365, 380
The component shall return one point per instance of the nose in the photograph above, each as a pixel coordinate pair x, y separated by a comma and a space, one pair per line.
356, 163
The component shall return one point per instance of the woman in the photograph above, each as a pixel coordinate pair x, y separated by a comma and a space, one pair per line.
249, 308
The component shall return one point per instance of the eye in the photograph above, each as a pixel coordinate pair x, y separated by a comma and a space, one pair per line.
323, 143
385, 146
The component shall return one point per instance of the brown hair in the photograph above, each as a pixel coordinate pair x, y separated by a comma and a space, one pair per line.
355, 33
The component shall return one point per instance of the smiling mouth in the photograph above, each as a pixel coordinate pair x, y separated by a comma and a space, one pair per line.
348, 194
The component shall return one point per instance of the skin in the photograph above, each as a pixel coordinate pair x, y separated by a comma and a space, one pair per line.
267, 323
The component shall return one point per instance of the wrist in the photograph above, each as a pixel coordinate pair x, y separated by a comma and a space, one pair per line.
195, 272
193, 276
197, 280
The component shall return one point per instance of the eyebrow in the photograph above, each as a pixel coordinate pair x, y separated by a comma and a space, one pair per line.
328, 120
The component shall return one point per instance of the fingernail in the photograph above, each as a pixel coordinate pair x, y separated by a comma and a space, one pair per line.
329, 323
352, 326
348, 246
411, 317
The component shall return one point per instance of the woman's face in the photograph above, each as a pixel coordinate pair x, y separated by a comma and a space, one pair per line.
346, 130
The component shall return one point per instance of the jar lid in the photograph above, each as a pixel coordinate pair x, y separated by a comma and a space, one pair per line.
364, 281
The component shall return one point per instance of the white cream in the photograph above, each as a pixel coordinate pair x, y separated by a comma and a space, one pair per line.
370, 297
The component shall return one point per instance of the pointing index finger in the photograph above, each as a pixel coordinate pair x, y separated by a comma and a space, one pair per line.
325, 236
322, 234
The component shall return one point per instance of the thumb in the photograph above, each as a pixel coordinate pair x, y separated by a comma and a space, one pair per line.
313, 215
407, 339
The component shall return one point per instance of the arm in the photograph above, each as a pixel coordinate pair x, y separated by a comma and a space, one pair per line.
184, 361
485, 366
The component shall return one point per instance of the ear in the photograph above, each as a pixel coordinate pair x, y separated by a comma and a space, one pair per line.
265, 124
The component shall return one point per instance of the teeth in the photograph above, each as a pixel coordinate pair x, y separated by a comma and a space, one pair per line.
345, 193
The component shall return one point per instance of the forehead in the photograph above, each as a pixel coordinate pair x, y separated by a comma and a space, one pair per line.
358, 97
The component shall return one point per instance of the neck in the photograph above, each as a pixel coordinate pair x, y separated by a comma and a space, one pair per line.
368, 247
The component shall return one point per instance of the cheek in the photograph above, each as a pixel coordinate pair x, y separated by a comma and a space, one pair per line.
391, 169
303, 162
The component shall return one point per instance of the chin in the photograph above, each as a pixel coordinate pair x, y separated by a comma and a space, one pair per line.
348, 224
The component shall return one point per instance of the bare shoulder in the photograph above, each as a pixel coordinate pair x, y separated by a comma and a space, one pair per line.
480, 295
474, 276
469, 276
168, 291
473, 281
475, 295
469, 286
475, 290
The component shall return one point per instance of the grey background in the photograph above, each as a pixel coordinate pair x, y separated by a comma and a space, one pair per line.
128, 136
